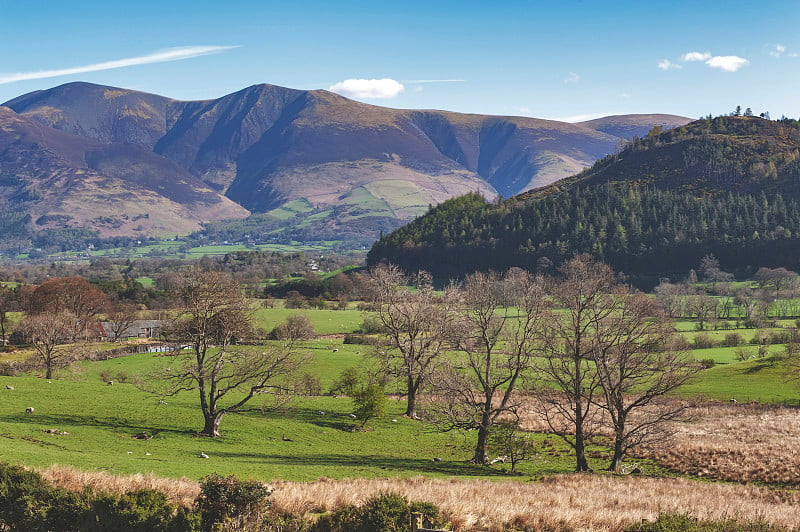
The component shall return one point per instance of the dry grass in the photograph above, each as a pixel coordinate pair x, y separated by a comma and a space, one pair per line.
179, 491
582, 502
739, 442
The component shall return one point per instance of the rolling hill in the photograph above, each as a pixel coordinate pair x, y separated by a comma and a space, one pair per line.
308, 159
728, 186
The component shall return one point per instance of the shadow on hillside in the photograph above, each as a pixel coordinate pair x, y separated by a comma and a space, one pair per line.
391, 464
69, 420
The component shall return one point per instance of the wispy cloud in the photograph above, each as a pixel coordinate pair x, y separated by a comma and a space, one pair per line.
728, 63
572, 78
778, 50
161, 56
696, 56
368, 88
626, 95
666, 64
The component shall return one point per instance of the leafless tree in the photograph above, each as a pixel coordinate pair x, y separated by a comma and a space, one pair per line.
56, 337
215, 316
776, 278
120, 319
417, 327
635, 367
497, 345
703, 307
7, 304
584, 298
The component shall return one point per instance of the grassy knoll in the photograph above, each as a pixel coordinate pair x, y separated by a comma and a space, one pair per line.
325, 321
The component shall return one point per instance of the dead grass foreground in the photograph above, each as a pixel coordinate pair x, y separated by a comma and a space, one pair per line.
580, 502
739, 442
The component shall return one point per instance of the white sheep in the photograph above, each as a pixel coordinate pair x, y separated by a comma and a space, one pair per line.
29, 410
9, 387
203, 455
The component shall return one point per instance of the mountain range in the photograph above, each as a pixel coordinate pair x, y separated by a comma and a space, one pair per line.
123, 162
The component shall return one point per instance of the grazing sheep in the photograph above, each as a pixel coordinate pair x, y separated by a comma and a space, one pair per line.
110, 383
321, 413
29, 410
733, 401
204, 455
437, 459
352, 416
163, 402
394, 421
9, 387
501, 459
148, 454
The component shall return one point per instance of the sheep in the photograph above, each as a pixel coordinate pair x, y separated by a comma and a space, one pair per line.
352, 416
321, 413
163, 402
501, 459
110, 383
29, 410
733, 401
9, 387
204, 455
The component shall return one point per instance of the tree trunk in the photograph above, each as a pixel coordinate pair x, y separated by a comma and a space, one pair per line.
616, 459
48, 371
212, 421
480, 446
580, 445
411, 408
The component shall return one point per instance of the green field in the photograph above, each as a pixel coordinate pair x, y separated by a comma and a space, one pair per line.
101, 419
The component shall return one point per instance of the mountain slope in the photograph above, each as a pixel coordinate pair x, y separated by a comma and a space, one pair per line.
352, 164
64, 180
728, 186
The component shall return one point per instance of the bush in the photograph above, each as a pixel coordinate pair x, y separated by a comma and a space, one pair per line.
707, 363
733, 340
309, 385
347, 382
360, 339
372, 325
685, 523
140, 511
369, 401
386, 512
296, 327
28, 502
703, 341
225, 502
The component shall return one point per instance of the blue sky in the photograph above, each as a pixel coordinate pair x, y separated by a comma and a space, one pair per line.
561, 59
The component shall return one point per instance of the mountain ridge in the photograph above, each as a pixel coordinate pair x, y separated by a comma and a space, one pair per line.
266, 146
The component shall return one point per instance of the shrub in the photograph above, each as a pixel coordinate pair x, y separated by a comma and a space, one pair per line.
685, 523
386, 512
296, 327
733, 340
347, 382
707, 363
227, 501
28, 502
309, 385
372, 325
703, 341
360, 339
369, 401
142, 510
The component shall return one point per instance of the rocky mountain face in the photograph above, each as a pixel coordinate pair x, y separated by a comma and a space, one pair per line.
122, 162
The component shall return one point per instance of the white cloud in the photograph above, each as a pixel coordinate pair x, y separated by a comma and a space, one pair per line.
170, 54
728, 63
582, 118
433, 80
777, 51
696, 56
368, 88
666, 64
572, 78
626, 95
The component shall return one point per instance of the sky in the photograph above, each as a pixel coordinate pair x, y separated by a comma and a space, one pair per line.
567, 60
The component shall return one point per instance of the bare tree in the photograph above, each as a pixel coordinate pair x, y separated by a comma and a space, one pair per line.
54, 336
703, 307
7, 304
417, 327
120, 319
497, 346
585, 298
635, 367
776, 278
215, 316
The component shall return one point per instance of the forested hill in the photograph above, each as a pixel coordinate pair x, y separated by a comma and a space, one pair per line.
728, 186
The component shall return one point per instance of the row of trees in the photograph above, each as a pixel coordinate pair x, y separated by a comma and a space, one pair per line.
576, 348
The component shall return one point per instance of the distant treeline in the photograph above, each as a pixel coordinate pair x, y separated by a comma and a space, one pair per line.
638, 230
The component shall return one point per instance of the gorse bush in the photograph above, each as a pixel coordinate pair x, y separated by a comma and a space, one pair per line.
685, 523
386, 512
226, 502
